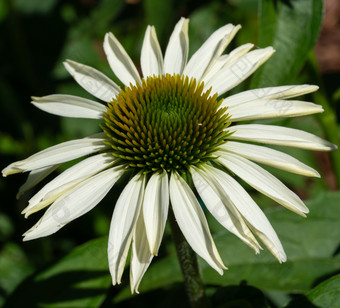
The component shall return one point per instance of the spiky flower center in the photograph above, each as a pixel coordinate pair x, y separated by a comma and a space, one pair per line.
167, 122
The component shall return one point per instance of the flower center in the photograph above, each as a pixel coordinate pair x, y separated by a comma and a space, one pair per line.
167, 122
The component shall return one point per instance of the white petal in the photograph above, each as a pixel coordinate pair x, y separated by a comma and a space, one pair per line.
282, 92
219, 205
69, 106
155, 209
281, 136
59, 153
35, 177
234, 73
123, 223
263, 181
75, 203
151, 56
237, 53
225, 60
192, 222
264, 109
176, 53
93, 81
67, 180
52, 196
269, 157
250, 211
120, 62
141, 256
208, 53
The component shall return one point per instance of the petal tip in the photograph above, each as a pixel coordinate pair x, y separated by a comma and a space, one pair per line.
237, 27
11, 169
333, 147
314, 173
35, 98
222, 269
110, 35
27, 213
283, 258
26, 237
270, 51
314, 88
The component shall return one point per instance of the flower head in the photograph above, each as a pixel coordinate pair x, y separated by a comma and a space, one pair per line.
166, 124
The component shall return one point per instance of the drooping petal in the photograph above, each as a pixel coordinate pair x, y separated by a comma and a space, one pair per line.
69, 106
234, 73
141, 256
225, 60
219, 205
59, 153
176, 53
155, 209
263, 181
35, 177
120, 62
208, 53
123, 223
264, 109
75, 203
279, 135
250, 211
282, 92
93, 81
66, 181
151, 55
269, 157
192, 222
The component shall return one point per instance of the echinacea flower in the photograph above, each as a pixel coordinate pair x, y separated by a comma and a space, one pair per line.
170, 128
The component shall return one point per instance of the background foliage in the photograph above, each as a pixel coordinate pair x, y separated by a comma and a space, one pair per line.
69, 269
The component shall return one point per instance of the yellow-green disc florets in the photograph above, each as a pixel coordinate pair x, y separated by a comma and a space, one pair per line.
167, 122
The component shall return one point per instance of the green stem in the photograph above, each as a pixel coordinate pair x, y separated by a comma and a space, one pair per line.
189, 266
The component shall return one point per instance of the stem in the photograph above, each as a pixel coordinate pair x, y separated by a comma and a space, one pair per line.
189, 266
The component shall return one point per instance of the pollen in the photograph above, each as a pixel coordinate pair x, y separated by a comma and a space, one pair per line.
166, 123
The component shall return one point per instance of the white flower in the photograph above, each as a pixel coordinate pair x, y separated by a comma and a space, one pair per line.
161, 126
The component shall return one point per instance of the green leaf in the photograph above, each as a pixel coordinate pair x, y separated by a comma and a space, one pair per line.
160, 14
8, 145
14, 267
3, 10
35, 6
326, 294
84, 40
309, 243
6, 226
163, 273
203, 22
81, 279
302, 239
292, 30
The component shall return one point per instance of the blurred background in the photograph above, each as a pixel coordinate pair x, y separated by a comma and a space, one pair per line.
37, 36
